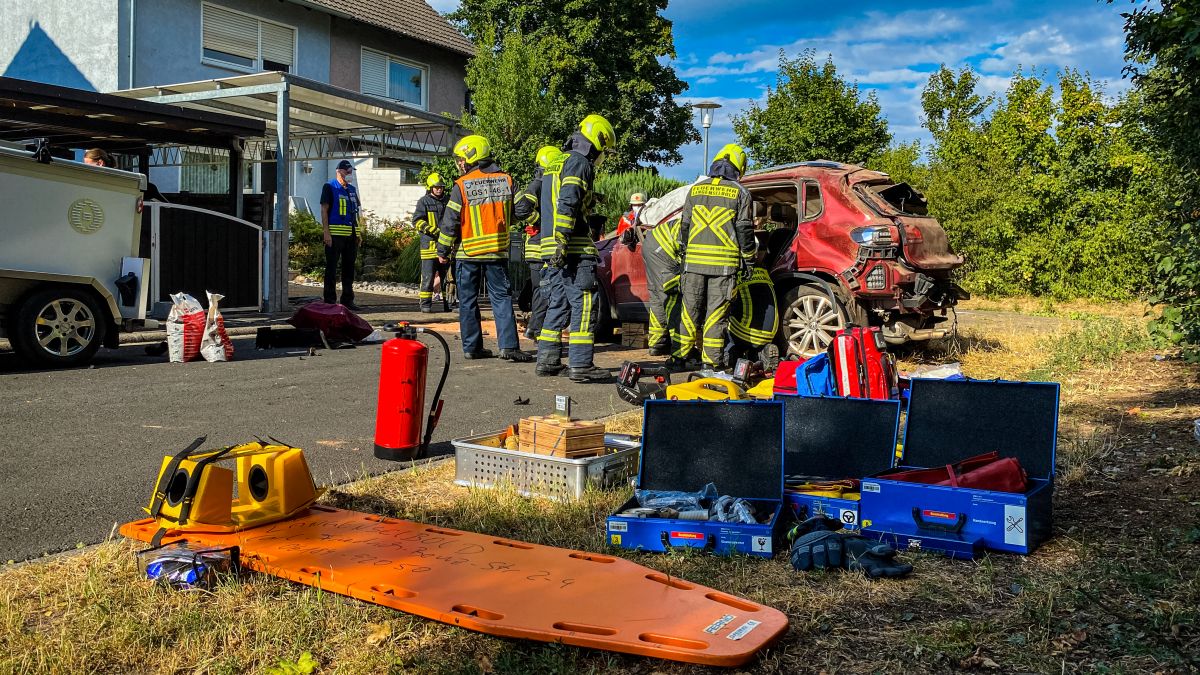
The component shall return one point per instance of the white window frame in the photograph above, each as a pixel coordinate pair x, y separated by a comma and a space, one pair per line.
423, 67
258, 60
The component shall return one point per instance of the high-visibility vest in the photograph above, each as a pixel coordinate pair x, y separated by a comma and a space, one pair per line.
343, 211
712, 246
486, 214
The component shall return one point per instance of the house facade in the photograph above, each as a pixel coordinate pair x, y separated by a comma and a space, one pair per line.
396, 49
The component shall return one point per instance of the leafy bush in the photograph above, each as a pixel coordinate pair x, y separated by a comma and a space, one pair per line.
393, 246
614, 190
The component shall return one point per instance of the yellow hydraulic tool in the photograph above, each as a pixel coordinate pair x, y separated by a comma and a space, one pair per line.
719, 389
192, 494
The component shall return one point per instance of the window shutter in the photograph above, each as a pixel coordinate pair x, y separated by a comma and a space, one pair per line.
231, 33
278, 43
374, 73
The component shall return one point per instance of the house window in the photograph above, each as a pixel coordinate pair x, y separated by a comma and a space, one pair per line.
240, 41
407, 172
391, 77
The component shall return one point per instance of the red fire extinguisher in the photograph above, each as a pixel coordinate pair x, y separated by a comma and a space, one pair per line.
399, 412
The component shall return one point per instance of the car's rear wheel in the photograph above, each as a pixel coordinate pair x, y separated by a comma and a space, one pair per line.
810, 320
59, 327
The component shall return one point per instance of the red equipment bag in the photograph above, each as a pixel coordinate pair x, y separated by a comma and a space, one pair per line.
988, 471
337, 323
785, 377
861, 365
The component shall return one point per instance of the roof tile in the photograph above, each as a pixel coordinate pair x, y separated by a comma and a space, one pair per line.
411, 18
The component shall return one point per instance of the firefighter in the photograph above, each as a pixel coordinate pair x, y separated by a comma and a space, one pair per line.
716, 244
475, 230
660, 256
636, 201
529, 215
426, 219
570, 252
753, 317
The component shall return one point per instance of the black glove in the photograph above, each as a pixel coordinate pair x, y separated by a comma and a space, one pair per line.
874, 558
817, 550
558, 259
814, 524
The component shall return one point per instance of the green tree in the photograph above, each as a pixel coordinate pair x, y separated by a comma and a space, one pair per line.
595, 56
510, 107
812, 113
1162, 46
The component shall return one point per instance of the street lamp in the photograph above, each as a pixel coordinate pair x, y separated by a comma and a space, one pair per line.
706, 115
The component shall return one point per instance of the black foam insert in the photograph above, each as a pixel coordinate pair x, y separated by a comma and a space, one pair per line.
949, 421
838, 438
738, 445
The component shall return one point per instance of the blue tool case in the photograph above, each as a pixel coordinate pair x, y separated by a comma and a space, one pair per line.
947, 422
831, 438
737, 445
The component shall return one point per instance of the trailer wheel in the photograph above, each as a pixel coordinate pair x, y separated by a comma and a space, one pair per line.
58, 327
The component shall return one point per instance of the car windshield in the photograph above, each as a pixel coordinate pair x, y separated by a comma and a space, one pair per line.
898, 198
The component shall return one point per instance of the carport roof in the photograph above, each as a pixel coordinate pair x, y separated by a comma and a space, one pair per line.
75, 117
315, 108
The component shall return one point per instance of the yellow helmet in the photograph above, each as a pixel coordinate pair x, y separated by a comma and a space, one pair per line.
472, 149
735, 154
599, 131
547, 154
434, 180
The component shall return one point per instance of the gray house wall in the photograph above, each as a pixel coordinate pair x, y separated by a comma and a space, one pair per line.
447, 69
72, 43
166, 59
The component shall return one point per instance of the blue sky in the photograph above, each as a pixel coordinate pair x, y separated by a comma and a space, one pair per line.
728, 51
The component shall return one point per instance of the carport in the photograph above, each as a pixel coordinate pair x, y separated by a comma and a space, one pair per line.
305, 120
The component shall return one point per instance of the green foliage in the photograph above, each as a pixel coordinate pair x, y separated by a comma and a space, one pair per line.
511, 109
392, 248
812, 113
305, 665
585, 56
1163, 46
615, 189
1044, 195
1100, 341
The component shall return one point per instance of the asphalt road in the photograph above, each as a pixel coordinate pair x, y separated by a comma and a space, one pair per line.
80, 449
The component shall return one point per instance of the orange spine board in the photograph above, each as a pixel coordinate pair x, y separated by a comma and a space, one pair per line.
501, 587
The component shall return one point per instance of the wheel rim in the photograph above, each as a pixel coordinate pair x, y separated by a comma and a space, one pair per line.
811, 323
64, 327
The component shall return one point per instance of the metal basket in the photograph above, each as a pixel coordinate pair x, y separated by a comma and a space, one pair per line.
533, 475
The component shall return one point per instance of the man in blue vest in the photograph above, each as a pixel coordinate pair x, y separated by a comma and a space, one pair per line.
339, 219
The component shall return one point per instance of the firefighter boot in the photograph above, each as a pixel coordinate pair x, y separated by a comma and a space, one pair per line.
515, 355
589, 374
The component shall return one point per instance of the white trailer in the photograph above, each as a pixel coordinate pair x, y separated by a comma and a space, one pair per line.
70, 275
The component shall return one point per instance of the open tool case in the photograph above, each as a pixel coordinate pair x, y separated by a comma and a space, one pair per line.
738, 445
830, 438
947, 422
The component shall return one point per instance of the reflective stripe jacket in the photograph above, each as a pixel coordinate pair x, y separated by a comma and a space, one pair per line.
426, 218
566, 203
478, 215
660, 253
527, 214
754, 315
716, 233
343, 209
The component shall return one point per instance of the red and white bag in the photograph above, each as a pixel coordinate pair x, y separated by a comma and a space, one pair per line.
185, 328
215, 345
861, 364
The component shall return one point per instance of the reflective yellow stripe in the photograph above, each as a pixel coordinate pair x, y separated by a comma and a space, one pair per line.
585, 318
454, 206
573, 180
671, 285
581, 339
341, 230
446, 239
425, 295
548, 335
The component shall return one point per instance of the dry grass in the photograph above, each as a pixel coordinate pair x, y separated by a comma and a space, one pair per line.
1070, 309
1117, 590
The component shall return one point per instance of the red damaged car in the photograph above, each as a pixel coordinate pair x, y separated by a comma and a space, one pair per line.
823, 224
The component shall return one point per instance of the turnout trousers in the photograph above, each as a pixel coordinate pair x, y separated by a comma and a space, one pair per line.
705, 313
571, 301
665, 312
494, 273
431, 269
537, 301
344, 250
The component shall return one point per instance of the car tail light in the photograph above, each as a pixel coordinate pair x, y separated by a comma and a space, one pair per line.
872, 236
877, 278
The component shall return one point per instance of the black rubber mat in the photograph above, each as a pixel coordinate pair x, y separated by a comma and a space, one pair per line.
949, 421
837, 438
738, 445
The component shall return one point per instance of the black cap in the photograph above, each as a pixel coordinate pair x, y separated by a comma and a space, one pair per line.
345, 164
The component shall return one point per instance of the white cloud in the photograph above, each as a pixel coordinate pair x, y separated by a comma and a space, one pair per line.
706, 80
